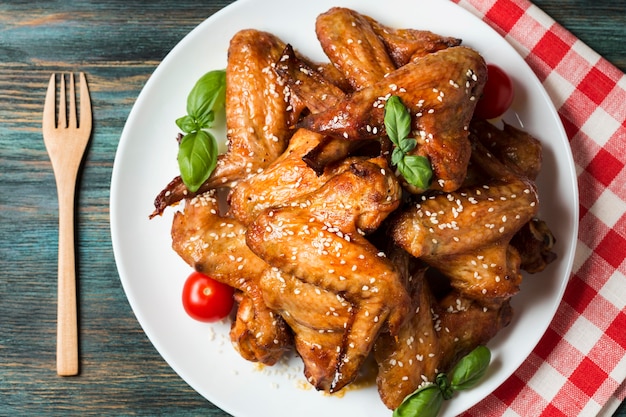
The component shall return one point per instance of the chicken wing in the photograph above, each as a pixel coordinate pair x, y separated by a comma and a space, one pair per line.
534, 242
517, 149
317, 324
215, 245
318, 239
437, 334
466, 234
350, 43
318, 94
286, 178
403, 45
440, 91
410, 358
257, 117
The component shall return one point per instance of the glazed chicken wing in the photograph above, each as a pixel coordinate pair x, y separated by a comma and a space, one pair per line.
317, 94
287, 178
317, 238
409, 359
257, 120
437, 334
518, 150
466, 234
215, 245
353, 47
318, 324
403, 45
440, 90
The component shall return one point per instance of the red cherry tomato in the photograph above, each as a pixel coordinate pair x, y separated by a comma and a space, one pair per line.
206, 299
497, 94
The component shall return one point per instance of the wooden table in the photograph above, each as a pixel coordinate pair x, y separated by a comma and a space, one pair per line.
118, 43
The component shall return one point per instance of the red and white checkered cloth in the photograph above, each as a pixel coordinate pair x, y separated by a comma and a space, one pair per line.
579, 366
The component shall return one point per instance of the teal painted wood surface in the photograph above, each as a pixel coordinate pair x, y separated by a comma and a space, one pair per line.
118, 44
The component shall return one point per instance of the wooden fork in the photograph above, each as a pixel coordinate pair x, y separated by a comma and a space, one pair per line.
66, 141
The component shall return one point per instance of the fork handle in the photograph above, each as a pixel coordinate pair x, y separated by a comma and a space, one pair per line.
67, 323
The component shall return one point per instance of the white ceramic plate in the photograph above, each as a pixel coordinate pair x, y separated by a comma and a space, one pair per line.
152, 274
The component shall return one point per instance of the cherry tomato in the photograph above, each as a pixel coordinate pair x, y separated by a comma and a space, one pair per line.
206, 299
497, 94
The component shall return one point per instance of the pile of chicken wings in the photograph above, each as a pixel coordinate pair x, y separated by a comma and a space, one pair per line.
331, 252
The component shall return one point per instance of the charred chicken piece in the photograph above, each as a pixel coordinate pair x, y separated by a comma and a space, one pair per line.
440, 90
317, 238
466, 234
534, 242
215, 245
257, 120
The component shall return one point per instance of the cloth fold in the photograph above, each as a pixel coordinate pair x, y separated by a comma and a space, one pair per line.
579, 366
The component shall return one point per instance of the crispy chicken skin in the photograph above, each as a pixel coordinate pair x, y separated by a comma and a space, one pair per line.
353, 47
407, 360
316, 341
440, 90
518, 150
466, 234
437, 334
215, 245
317, 238
286, 178
317, 94
257, 120
403, 45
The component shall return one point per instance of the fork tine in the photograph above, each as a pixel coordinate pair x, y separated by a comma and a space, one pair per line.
62, 116
72, 116
49, 110
85, 104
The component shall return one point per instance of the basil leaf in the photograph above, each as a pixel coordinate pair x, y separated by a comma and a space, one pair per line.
425, 402
470, 369
197, 157
396, 156
444, 385
397, 120
407, 144
208, 93
187, 124
416, 170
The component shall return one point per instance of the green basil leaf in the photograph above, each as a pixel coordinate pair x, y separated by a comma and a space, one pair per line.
206, 121
425, 402
444, 386
208, 93
197, 157
396, 156
397, 120
470, 369
416, 170
187, 124
407, 145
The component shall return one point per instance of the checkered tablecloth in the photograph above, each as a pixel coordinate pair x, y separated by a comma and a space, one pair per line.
579, 366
